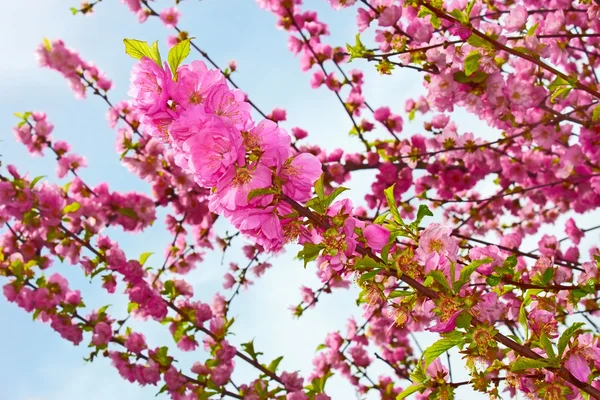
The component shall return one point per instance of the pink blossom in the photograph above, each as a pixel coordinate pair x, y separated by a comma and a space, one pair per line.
445, 326
149, 86
136, 342
213, 148
102, 334
170, 16
390, 16
235, 185
299, 175
436, 238
376, 236
516, 19
573, 232
578, 366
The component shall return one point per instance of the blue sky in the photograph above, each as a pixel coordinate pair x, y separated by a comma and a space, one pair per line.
37, 363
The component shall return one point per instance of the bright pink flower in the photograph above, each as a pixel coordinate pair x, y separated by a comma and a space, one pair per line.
229, 281
170, 16
233, 188
149, 86
212, 147
359, 356
271, 141
516, 19
578, 366
298, 395
194, 83
542, 321
278, 115
377, 236
488, 308
229, 105
573, 232
390, 16
102, 334
134, 5
445, 326
136, 342
292, 381
263, 225
436, 238
299, 175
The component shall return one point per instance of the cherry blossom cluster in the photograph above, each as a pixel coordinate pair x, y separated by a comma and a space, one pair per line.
525, 69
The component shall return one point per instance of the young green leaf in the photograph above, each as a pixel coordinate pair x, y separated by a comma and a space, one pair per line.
522, 363
466, 272
138, 49
423, 212
391, 200
71, 208
144, 258
177, 54
310, 252
441, 346
564, 339
408, 391
472, 63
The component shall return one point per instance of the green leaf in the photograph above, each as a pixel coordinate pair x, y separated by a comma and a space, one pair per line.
441, 346
177, 54
47, 44
156, 53
460, 16
74, 11
274, 364
368, 276
261, 192
366, 262
310, 252
467, 271
138, 49
477, 41
71, 208
162, 357
564, 339
418, 375
596, 113
36, 180
144, 257
475, 78
435, 21
391, 200
336, 192
131, 307
469, 9
249, 348
464, 320
559, 87
322, 204
400, 293
472, 63
408, 391
319, 189
127, 212
522, 363
358, 50
440, 278
511, 262
523, 319
422, 213
531, 31
547, 346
